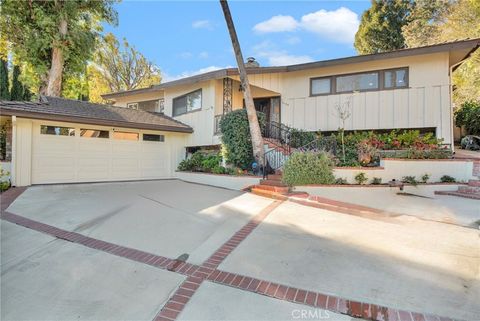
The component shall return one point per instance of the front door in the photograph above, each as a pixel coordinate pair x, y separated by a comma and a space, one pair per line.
270, 107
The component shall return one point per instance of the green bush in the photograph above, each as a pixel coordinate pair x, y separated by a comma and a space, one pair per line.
468, 116
410, 180
299, 138
308, 168
447, 179
361, 178
425, 178
341, 181
194, 163
236, 137
210, 162
376, 181
219, 170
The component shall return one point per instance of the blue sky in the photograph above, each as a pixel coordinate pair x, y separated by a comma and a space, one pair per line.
187, 37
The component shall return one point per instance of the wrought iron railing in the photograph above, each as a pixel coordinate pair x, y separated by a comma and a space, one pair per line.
325, 144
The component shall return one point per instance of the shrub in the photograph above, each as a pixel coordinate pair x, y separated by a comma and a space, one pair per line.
299, 138
236, 137
447, 179
376, 181
194, 163
308, 168
341, 181
425, 178
410, 180
361, 178
210, 162
468, 116
219, 170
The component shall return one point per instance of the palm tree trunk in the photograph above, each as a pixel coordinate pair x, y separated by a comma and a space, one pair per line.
255, 132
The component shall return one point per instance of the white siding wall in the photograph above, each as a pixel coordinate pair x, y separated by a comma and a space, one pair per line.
426, 103
202, 120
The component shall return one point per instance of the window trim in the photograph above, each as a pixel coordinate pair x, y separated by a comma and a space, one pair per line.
184, 95
129, 106
59, 135
100, 130
381, 81
161, 140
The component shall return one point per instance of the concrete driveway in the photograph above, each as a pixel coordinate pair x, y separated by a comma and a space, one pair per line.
105, 258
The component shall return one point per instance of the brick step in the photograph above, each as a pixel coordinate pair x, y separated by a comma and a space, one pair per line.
469, 189
272, 182
276, 189
472, 182
269, 194
275, 177
459, 194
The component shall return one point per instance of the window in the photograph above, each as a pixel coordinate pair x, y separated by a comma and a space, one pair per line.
357, 82
58, 131
321, 86
365, 81
94, 133
395, 78
132, 105
153, 138
187, 103
125, 135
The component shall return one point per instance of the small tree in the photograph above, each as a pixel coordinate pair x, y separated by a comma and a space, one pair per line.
4, 93
343, 112
16, 93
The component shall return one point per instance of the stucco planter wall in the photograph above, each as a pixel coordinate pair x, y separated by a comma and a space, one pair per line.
390, 169
226, 181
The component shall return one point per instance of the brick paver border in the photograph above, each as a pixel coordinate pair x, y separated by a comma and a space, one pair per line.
208, 271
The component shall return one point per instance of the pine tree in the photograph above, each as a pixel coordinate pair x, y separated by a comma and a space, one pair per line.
16, 93
4, 93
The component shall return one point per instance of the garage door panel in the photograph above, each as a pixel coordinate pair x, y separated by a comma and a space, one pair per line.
68, 159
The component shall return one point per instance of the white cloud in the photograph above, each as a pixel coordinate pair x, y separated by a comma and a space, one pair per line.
276, 57
202, 24
167, 77
203, 55
338, 25
276, 24
293, 40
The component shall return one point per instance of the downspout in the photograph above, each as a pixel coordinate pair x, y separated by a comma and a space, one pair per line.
13, 166
451, 108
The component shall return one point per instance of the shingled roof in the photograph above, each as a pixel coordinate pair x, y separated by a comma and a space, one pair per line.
68, 110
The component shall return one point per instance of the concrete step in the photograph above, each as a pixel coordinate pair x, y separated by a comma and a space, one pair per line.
472, 182
274, 177
469, 189
459, 194
269, 194
272, 182
276, 189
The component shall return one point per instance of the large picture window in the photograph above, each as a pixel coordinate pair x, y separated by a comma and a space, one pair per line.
187, 103
365, 81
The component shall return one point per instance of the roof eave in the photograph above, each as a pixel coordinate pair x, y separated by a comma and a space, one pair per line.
92, 121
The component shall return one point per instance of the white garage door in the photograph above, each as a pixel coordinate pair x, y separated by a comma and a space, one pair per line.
63, 153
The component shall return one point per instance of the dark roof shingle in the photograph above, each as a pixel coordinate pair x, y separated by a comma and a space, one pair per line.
61, 109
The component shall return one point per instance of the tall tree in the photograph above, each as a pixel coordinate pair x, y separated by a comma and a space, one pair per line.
255, 133
16, 92
54, 37
441, 21
123, 67
381, 26
4, 84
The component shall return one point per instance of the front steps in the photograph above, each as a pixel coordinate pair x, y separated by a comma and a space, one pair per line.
271, 186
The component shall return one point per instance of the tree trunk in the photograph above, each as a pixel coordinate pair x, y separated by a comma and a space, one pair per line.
54, 85
255, 132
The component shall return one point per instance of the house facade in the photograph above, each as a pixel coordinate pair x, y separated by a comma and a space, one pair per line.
404, 89
148, 131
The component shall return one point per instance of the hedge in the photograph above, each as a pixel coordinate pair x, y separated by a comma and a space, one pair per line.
308, 168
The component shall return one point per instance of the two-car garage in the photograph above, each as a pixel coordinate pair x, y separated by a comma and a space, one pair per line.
142, 145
